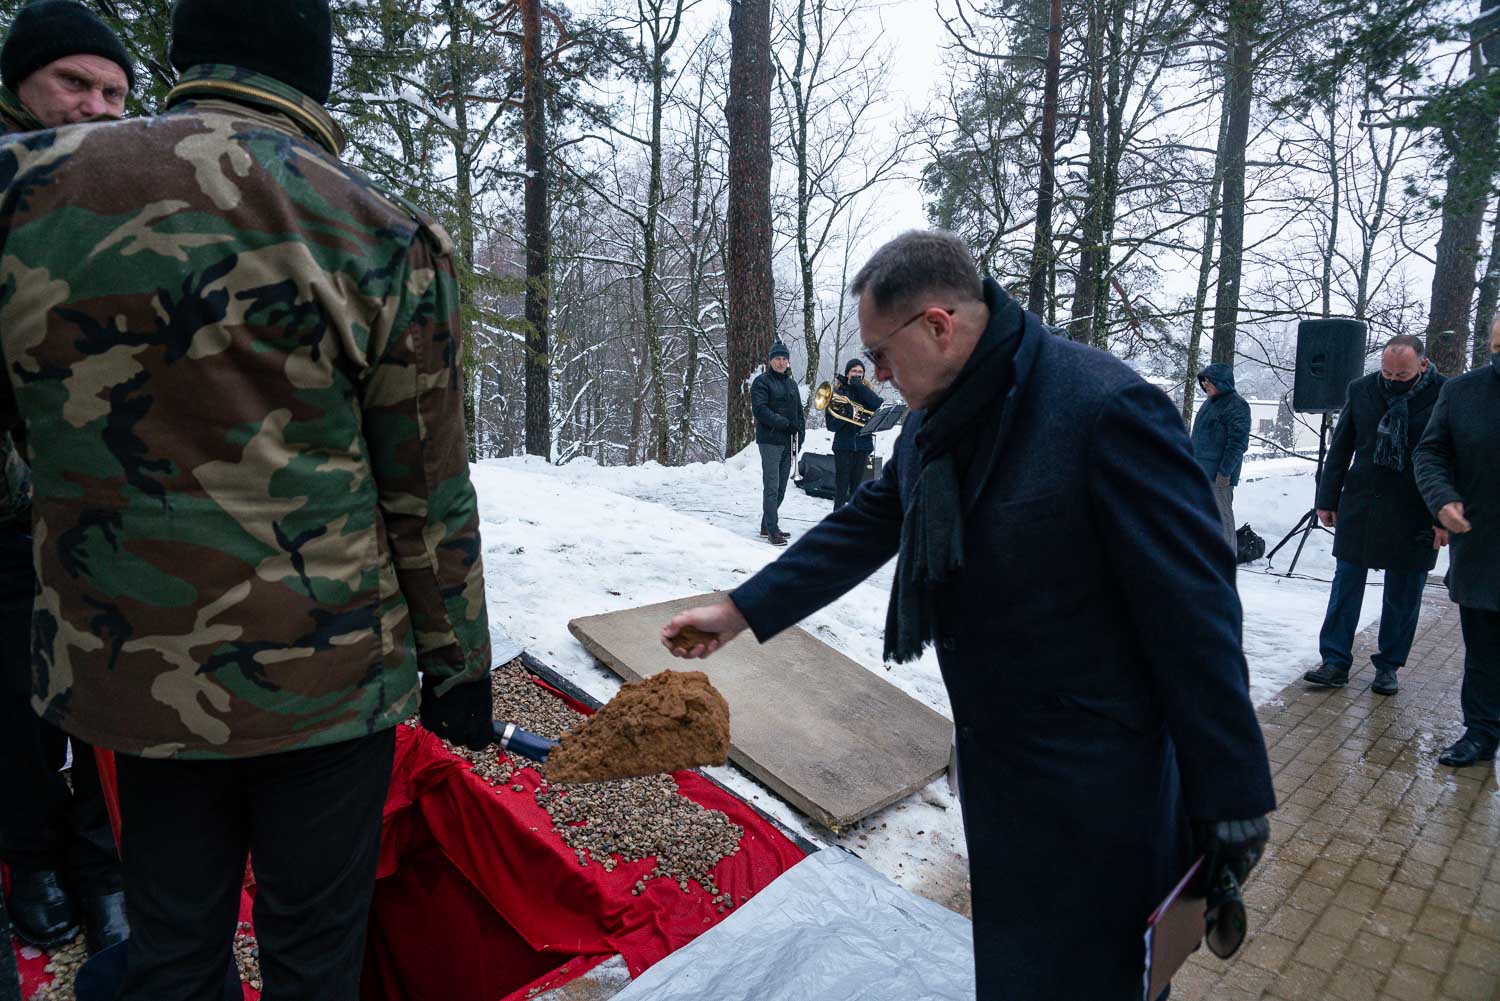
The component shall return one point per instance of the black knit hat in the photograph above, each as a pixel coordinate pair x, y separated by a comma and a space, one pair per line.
856, 360
48, 30
778, 350
287, 40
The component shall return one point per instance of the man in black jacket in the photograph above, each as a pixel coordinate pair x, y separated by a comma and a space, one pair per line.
779, 421
1458, 469
1379, 518
1221, 436
850, 448
1049, 521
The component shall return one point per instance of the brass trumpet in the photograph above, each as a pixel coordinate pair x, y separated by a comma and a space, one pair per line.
840, 407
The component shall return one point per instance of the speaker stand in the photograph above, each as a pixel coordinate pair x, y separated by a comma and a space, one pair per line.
1308, 521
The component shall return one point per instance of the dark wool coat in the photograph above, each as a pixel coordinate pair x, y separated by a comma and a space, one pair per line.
1091, 651
1383, 522
1459, 460
777, 404
1221, 430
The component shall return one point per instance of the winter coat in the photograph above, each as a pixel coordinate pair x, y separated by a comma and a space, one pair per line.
777, 404
15, 474
1093, 716
253, 513
1459, 460
1221, 431
846, 437
1383, 523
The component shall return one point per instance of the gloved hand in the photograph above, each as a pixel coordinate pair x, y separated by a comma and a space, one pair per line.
463, 715
1230, 848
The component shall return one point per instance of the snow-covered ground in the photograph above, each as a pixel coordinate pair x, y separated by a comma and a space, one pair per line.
581, 539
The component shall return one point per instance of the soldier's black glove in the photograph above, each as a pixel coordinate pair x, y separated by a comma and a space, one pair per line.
1230, 849
463, 715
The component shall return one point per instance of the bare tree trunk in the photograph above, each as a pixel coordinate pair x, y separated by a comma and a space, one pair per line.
1041, 251
1244, 16
752, 317
800, 100
1489, 298
1205, 269
1330, 249
458, 69
1085, 291
538, 237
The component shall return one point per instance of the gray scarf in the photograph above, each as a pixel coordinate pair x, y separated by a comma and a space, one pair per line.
1392, 444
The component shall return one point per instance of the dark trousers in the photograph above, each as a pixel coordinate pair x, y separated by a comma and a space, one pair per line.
309, 820
1400, 607
775, 468
848, 473
43, 824
1481, 691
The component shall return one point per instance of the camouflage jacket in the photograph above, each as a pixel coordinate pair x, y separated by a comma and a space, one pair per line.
237, 365
15, 475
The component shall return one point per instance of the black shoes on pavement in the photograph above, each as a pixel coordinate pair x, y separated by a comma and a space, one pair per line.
1327, 677
1385, 682
41, 911
1469, 750
777, 538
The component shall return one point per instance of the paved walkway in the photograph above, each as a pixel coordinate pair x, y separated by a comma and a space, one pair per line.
1382, 881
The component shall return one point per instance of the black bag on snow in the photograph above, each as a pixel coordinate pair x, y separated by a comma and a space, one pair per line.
1250, 547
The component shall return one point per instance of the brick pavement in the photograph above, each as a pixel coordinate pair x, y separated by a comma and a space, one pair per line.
1382, 880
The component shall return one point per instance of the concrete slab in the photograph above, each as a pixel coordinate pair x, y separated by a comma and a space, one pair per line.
831, 738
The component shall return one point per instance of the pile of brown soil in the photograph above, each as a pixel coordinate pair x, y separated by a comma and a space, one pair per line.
670, 721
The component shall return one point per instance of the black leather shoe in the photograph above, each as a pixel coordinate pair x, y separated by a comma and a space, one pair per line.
1327, 677
1385, 681
104, 921
1468, 751
41, 912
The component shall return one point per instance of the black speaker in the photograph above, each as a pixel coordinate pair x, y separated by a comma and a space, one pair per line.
1330, 355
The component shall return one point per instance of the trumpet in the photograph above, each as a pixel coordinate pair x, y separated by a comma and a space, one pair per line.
840, 407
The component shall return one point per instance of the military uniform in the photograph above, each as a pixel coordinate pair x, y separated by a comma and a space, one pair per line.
46, 825
237, 364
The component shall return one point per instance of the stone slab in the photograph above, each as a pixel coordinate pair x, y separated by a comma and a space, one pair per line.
828, 736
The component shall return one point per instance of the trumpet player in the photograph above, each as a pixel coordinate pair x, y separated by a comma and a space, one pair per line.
851, 450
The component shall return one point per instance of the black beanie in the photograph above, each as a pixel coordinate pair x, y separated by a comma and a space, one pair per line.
851, 363
778, 350
287, 40
48, 30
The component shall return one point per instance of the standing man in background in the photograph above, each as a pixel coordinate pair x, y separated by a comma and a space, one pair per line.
1221, 436
1379, 519
1458, 469
851, 450
253, 517
60, 65
779, 427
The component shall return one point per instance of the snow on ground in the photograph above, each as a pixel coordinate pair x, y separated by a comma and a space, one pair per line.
581, 539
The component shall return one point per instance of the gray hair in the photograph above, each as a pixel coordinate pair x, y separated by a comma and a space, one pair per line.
1408, 341
916, 263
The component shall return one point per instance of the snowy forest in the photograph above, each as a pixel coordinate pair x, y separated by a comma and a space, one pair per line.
644, 193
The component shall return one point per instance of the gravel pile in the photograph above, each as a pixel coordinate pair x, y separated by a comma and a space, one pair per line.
64, 965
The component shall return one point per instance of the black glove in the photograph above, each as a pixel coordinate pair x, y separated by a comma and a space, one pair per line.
463, 715
1230, 849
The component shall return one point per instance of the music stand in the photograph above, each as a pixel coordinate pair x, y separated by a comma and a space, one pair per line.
1308, 521
885, 418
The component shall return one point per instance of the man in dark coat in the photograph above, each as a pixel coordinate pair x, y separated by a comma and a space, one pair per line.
1221, 435
60, 65
1458, 469
851, 449
779, 422
1377, 512
1053, 533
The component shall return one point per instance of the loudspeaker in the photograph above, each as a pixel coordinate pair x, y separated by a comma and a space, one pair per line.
1330, 355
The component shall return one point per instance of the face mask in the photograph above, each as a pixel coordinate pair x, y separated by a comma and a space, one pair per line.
1397, 388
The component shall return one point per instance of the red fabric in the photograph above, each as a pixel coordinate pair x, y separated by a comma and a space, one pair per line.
477, 899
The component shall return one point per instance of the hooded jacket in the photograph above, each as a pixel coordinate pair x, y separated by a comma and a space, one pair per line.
1221, 431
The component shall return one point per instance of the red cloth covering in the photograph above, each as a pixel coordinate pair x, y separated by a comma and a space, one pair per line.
477, 899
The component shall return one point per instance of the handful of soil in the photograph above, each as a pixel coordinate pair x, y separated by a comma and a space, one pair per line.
668, 722
690, 636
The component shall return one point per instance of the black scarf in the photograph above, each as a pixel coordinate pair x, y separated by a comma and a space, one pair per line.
1392, 446
932, 532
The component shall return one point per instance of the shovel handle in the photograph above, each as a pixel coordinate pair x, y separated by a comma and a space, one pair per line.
523, 742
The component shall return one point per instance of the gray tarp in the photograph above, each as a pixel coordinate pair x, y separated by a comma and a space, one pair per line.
828, 929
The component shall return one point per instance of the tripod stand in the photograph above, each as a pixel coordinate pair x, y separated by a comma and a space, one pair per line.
1308, 521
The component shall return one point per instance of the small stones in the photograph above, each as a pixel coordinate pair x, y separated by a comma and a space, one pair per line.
64, 965
247, 955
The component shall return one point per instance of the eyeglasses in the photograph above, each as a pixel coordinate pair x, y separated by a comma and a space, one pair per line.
877, 351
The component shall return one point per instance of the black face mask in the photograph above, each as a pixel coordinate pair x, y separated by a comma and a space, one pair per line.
1395, 387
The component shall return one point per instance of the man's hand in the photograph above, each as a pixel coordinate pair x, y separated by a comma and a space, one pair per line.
462, 715
1230, 848
699, 632
1439, 537
1328, 518
1221, 480
1452, 517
